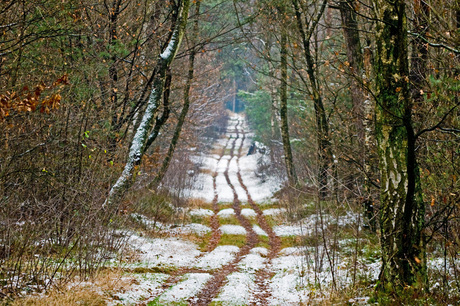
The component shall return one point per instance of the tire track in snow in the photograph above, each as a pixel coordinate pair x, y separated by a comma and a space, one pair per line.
263, 275
216, 232
213, 286
176, 276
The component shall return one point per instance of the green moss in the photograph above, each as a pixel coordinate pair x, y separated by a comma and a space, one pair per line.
409, 296
274, 220
224, 205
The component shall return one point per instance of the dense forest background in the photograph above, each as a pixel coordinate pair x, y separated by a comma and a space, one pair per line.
356, 101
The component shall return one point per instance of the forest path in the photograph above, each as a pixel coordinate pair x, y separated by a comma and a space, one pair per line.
220, 277
240, 231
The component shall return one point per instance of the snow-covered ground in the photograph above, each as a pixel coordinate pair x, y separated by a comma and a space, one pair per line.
297, 272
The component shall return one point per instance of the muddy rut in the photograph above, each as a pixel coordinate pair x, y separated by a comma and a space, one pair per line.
263, 275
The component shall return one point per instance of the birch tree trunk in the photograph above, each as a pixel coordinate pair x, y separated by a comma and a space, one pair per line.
274, 96
402, 207
161, 120
164, 61
172, 146
291, 174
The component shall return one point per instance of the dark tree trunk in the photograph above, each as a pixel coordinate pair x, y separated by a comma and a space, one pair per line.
362, 107
322, 129
113, 14
355, 58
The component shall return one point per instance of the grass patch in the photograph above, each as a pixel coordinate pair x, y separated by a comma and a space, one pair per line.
411, 296
217, 150
156, 302
106, 282
263, 242
245, 205
200, 219
274, 220
203, 244
230, 220
311, 240
143, 270
238, 240
290, 241
195, 203
156, 207
224, 205
252, 220
207, 171
267, 205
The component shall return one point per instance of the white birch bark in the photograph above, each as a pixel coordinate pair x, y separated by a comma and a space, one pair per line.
137, 146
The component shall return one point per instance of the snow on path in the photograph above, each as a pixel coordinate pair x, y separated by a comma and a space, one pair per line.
201, 212
185, 289
252, 262
146, 285
220, 256
173, 252
230, 212
293, 278
232, 229
238, 289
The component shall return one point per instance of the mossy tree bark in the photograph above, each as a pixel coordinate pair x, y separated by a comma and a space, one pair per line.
402, 208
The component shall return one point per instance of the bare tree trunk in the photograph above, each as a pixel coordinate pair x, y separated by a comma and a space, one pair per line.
164, 61
402, 207
114, 12
368, 116
291, 174
355, 59
419, 50
322, 129
234, 95
362, 106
